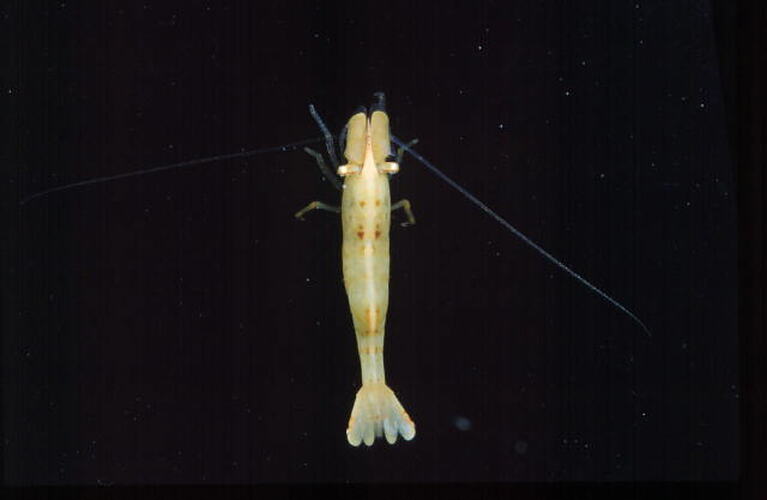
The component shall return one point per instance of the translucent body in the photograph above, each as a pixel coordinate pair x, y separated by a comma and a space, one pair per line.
366, 218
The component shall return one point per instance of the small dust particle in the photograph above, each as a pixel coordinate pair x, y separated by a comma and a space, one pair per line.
462, 423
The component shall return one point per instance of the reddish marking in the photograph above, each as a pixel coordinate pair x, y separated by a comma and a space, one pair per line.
369, 332
371, 350
362, 203
378, 233
378, 203
360, 234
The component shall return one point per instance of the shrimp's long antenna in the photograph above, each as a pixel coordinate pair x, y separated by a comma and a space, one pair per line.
519, 234
243, 154
329, 145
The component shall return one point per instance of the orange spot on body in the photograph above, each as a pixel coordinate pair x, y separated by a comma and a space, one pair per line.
378, 203
362, 203
371, 350
360, 234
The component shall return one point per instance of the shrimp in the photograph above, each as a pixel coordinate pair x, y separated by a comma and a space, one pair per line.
365, 215
366, 218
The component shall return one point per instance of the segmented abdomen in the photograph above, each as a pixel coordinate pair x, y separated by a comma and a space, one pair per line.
365, 214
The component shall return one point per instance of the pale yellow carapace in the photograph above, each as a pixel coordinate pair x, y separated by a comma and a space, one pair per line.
366, 217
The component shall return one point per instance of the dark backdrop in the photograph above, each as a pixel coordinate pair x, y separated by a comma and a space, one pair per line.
182, 327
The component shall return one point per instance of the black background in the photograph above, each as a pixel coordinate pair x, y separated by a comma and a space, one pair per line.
183, 327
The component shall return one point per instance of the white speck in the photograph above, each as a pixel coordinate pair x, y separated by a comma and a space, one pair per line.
10, 91
641, 42
479, 48
684, 98
644, 414
702, 105
583, 63
316, 35
636, 5
567, 92
602, 175
687, 204
561, 79
500, 126
308, 280
462, 423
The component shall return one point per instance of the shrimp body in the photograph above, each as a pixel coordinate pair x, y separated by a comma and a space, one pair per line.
366, 218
